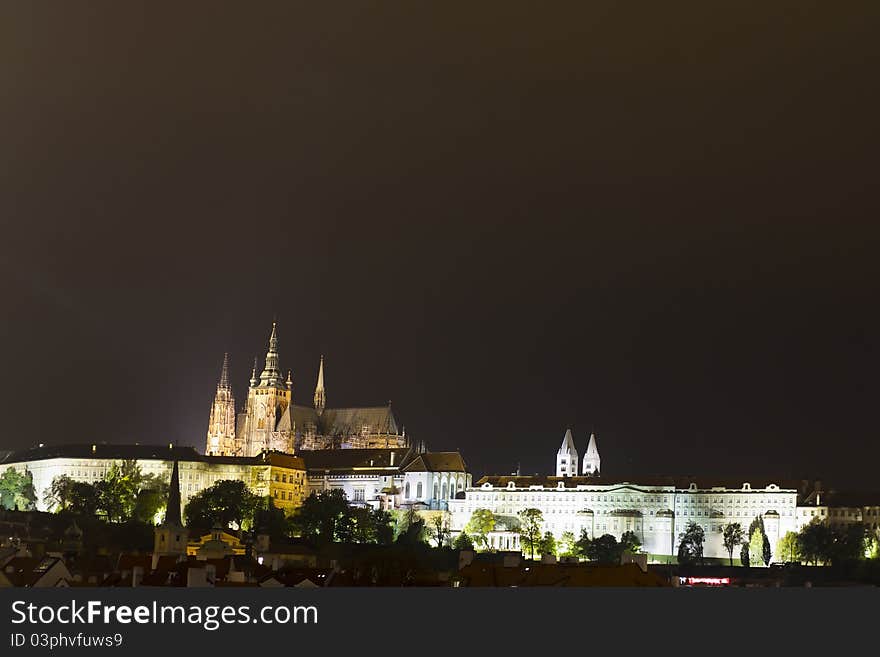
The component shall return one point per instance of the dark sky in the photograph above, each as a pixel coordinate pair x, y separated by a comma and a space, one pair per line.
655, 219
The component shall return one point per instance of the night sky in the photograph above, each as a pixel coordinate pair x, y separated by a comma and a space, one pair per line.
657, 220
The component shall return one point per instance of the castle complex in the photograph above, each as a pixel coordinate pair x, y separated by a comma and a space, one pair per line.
285, 451
271, 421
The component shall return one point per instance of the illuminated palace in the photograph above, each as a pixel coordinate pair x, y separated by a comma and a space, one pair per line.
656, 509
270, 420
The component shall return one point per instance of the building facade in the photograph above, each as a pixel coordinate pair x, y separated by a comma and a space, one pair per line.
656, 509
378, 477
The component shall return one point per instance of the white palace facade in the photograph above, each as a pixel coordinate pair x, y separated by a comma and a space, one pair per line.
657, 509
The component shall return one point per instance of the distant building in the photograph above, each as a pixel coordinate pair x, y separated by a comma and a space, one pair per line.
271, 421
377, 477
656, 509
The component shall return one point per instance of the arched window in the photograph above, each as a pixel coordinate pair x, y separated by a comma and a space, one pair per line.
436, 491
419, 490
406, 490
443, 493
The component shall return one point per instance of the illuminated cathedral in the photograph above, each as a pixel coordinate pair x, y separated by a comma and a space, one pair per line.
270, 420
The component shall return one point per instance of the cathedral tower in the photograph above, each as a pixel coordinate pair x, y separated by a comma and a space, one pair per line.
567, 457
221, 426
320, 395
268, 399
591, 458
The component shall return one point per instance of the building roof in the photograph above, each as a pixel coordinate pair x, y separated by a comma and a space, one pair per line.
847, 499
436, 462
348, 460
147, 452
282, 460
676, 482
27, 571
353, 421
105, 451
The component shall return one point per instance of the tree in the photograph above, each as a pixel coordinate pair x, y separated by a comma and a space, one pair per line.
690, 547
583, 546
383, 532
531, 521
759, 544
850, 544
744, 557
462, 542
439, 528
815, 542
228, 501
482, 522
766, 553
57, 497
733, 536
567, 545
270, 520
17, 490
629, 542
605, 550
84, 499
547, 544
324, 516
787, 547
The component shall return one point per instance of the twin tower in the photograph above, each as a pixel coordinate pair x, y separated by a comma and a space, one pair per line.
567, 458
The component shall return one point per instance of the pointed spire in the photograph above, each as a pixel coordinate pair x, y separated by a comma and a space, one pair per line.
289, 382
172, 511
254, 374
567, 443
567, 457
592, 463
224, 373
320, 394
271, 375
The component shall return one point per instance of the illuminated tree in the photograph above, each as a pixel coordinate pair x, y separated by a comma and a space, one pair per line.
462, 542
733, 536
531, 521
547, 544
227, 501
17, 490
439, 528
787, 547
759, 544
482, 522
567, 545
690, 547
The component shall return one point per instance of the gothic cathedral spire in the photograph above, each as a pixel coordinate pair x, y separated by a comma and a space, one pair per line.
221, 425
320, 394
271, 375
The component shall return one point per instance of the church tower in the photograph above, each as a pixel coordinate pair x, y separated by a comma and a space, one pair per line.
268, 399
567, 457
320, 395
591, 458
170, 538
221, 426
